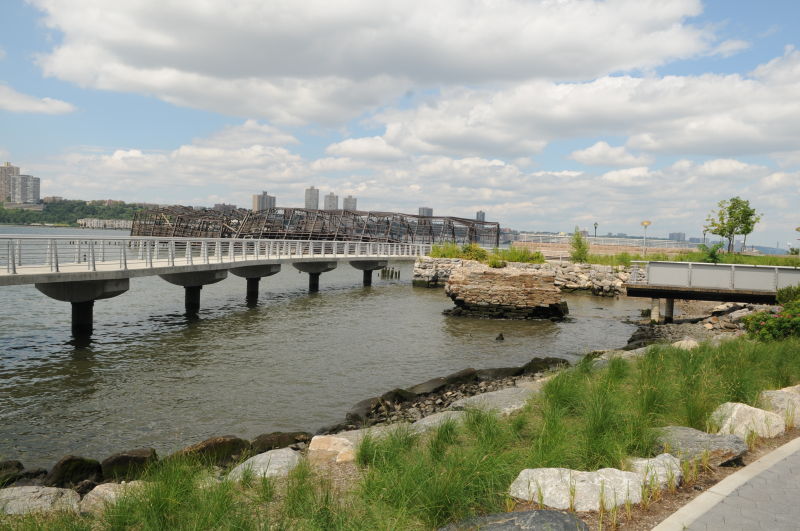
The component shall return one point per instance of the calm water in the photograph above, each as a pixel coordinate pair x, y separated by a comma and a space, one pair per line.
297, 361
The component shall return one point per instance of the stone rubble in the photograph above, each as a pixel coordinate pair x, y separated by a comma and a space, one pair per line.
741, 419
330, 448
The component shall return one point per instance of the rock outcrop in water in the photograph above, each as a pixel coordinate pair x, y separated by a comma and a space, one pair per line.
507, 293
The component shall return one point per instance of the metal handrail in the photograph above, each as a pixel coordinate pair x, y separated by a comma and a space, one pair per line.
713, 276
28, 254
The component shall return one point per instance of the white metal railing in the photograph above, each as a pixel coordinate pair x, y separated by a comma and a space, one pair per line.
604, 240
41, 254
714, 276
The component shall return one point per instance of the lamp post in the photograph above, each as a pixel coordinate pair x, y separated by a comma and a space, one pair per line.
595, 230
704, 237
646, 223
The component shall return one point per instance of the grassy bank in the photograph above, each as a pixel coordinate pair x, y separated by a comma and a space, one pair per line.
585, 418
626, 258
495, 258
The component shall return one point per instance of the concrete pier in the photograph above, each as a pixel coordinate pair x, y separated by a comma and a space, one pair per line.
254, 274
314, 270
368, 266
82, 295
655, 311
192, 283
669, 310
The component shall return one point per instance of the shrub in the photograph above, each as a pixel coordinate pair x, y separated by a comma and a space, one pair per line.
495, 262
473, 251
580, 247
788, 294
710, 254
519, 254
768, 326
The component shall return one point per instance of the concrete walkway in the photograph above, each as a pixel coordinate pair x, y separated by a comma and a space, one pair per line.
764, 495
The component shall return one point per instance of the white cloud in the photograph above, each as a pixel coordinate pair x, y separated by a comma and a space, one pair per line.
367, 148
639, 176
2, 54
326, 62
11, 100
602, 154
730, 47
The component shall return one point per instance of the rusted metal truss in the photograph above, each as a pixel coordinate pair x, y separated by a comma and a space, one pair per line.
302, 224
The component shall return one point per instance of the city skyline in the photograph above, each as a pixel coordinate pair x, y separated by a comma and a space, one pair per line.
544, 114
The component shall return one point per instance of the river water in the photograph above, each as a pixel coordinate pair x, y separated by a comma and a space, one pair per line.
295, 362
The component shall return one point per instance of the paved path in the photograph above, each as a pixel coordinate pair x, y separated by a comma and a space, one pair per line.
764, 495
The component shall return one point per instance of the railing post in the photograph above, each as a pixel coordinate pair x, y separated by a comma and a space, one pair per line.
124, 255
188, 253
11, 264
218, 251
92, 266
231, 252
689, 280
204, 251
54, 264
102, 250
171, 253
733, 273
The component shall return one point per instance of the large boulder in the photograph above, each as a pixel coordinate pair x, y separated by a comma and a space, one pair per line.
661, 471
741, 419
218, 450
687, 343
128, 464
375, 432
275, 463
24, 500
561, 488
537, 365
330, 448
505, 401
105, 494
9, 472
278, 439
430, 386
690, 444
784, 403
522, 520
461, 377
71, 470
498, 373
361, 410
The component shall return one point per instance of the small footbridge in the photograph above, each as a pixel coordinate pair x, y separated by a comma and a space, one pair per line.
83, 270
708, 282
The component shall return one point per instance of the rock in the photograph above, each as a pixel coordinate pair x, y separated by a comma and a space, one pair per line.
561, 488
505, 401
275, 463
726, 307
105, 494
327, 448
500, 372
691, 444
431, 386
522, 520
30, 478
738, 315
784, 403
741, 419
662, 471
361, 410
217, 450
398, 396
9, 472
708, 326
686, 343
24, 500
376, 432
537, 365
278, 439
84, 487
129, 464
793, 389
432, 421
463, 376
71, 470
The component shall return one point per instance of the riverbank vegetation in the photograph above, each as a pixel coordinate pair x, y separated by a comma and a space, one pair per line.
585, 418
494, 258
69, 212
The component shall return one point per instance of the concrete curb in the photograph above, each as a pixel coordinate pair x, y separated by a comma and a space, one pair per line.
690, 512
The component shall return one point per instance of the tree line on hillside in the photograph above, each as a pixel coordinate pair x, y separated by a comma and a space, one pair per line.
68, 213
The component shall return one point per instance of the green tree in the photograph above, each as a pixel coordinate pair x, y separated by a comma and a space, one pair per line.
580, 247
735, 216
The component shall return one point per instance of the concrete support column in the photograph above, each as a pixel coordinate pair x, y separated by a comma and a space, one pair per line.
313, 282
252, 290
314, 270
669, 310
82, 318
655, 311
192, 299
367, 277
254, 274
368, 266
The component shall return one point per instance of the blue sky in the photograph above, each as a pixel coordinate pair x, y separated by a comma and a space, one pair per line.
545, 115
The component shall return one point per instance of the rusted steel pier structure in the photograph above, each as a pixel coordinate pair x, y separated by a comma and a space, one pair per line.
318, 225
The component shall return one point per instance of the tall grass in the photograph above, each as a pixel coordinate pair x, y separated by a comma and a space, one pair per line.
584, 419
496, 256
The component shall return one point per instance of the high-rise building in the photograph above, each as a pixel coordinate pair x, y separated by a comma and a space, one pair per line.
223, 207
480, 215
331, 201
349, 203
312, 198
677, 236
6, 172
263, 201
426, 212
23, 189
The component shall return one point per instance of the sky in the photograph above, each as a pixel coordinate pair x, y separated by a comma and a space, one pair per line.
546, 114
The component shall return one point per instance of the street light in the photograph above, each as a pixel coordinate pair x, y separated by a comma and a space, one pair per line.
595, 230
646, 223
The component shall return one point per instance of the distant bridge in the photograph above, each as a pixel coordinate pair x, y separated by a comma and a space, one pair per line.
708, 282
82, 270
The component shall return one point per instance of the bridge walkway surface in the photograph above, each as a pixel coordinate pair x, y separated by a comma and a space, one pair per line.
764, 495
